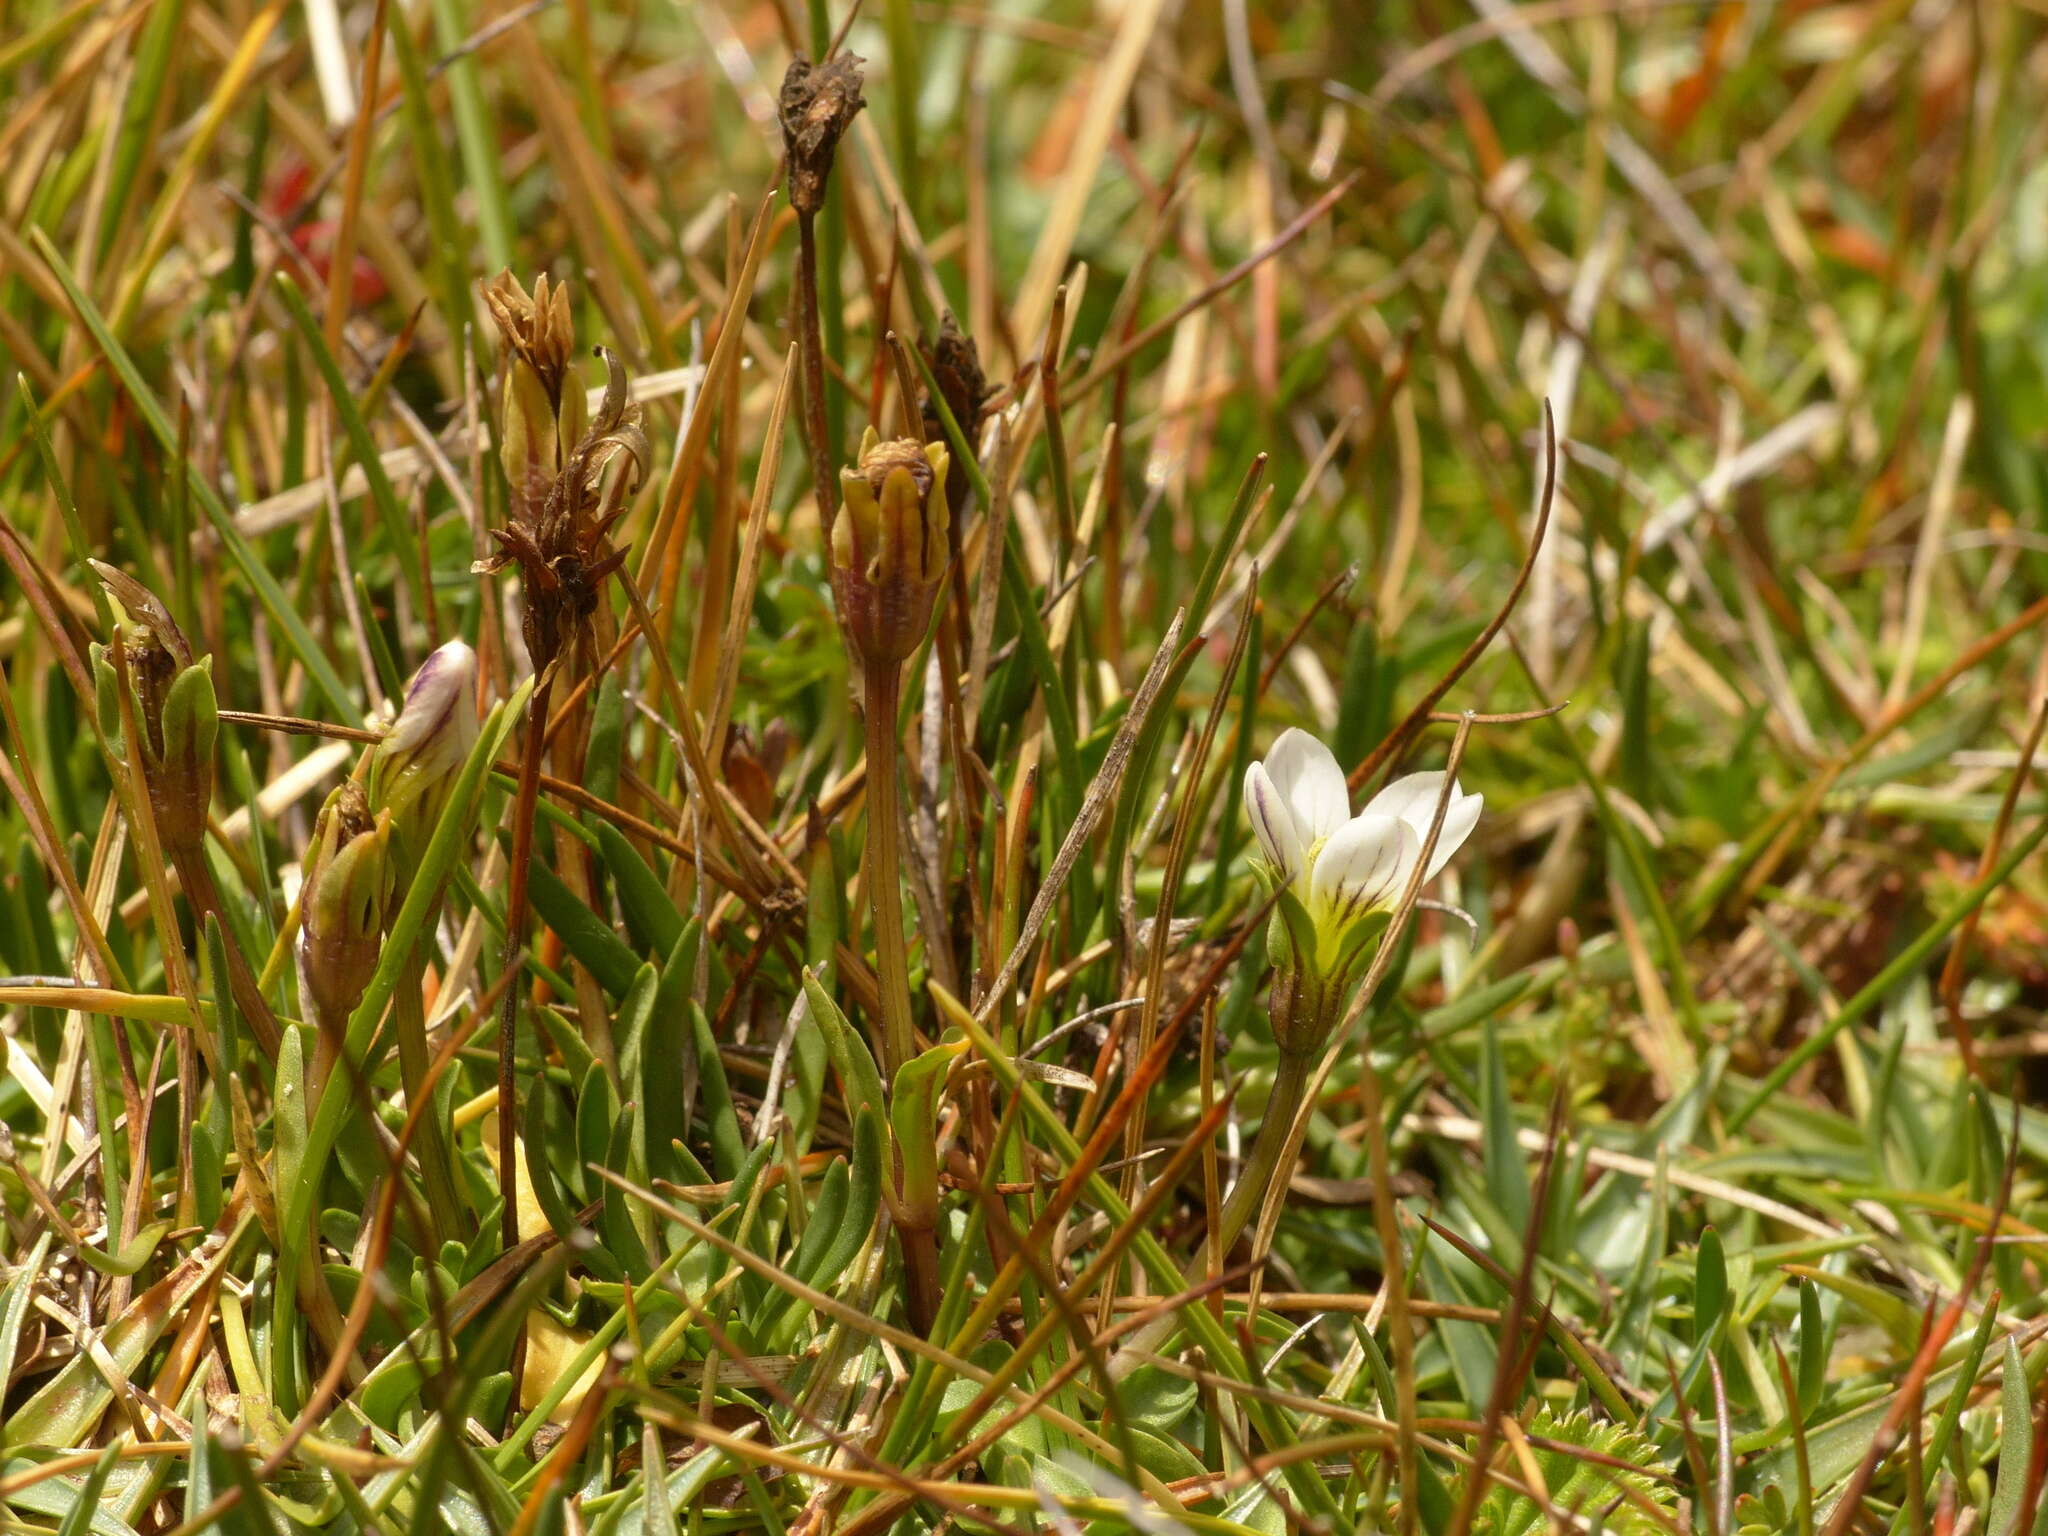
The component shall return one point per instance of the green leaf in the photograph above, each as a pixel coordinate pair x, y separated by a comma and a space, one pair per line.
859, 1081
650, 1072
728, 1147
276, 602
1507, 1171
586, 935
2015, 1445
14, 1305
134, 1253
1813, 1348
1586, 1465
85, 1503
537, 1139
914, 1118
652, 916
1710, 1286
863, 1199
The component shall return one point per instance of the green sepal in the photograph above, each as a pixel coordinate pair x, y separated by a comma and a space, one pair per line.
914, 1118
191, 719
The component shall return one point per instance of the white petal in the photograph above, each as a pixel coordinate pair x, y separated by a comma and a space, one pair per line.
1363, 865
1459, 820
1272, 822
1413, 799
1308, 777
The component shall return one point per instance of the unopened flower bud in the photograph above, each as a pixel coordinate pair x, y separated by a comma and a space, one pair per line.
889, 545
176, 715
413, 768
348, 886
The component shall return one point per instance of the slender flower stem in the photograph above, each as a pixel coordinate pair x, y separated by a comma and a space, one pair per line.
1293, 1074
885, 892
1290, 1081
445, 1205
196, 876
1261, 1165
515, 952
811, 344
892, 961
1393, 1272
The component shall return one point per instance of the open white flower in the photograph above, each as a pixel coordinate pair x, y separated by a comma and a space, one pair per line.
1342, 868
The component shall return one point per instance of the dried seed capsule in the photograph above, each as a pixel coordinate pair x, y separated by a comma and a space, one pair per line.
890, 545
175, 710
817, 105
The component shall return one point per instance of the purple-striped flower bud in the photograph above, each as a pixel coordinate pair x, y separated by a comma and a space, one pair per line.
414, 766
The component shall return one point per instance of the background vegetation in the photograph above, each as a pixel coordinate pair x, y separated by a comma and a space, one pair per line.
1715, 1198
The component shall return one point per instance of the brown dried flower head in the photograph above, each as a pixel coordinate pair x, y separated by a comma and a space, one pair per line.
817, 104
568, 488
956, 364
543, 413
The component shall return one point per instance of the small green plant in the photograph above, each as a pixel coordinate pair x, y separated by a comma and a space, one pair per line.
1230, 772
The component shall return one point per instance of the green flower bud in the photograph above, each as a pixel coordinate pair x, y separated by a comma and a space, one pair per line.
413, 768
343, 902
890, 545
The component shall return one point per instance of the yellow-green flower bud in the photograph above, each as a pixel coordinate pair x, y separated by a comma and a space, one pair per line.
890, 545
414, 766
348, 884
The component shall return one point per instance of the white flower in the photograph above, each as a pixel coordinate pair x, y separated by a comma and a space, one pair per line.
1343, 868
432, 737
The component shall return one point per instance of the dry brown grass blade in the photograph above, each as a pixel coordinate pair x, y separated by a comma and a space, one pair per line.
725, 355
1397, 739
740, 614
1102, 791
1105, 368
1105, 102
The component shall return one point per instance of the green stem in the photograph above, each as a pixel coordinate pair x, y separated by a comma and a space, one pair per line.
1262, 1164
885, 890
1304, 1009
445, 1205
1290, 1081
892, 962
196, 876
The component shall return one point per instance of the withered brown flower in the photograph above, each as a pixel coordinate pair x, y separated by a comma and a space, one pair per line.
565, 493
956, 364
817, 105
